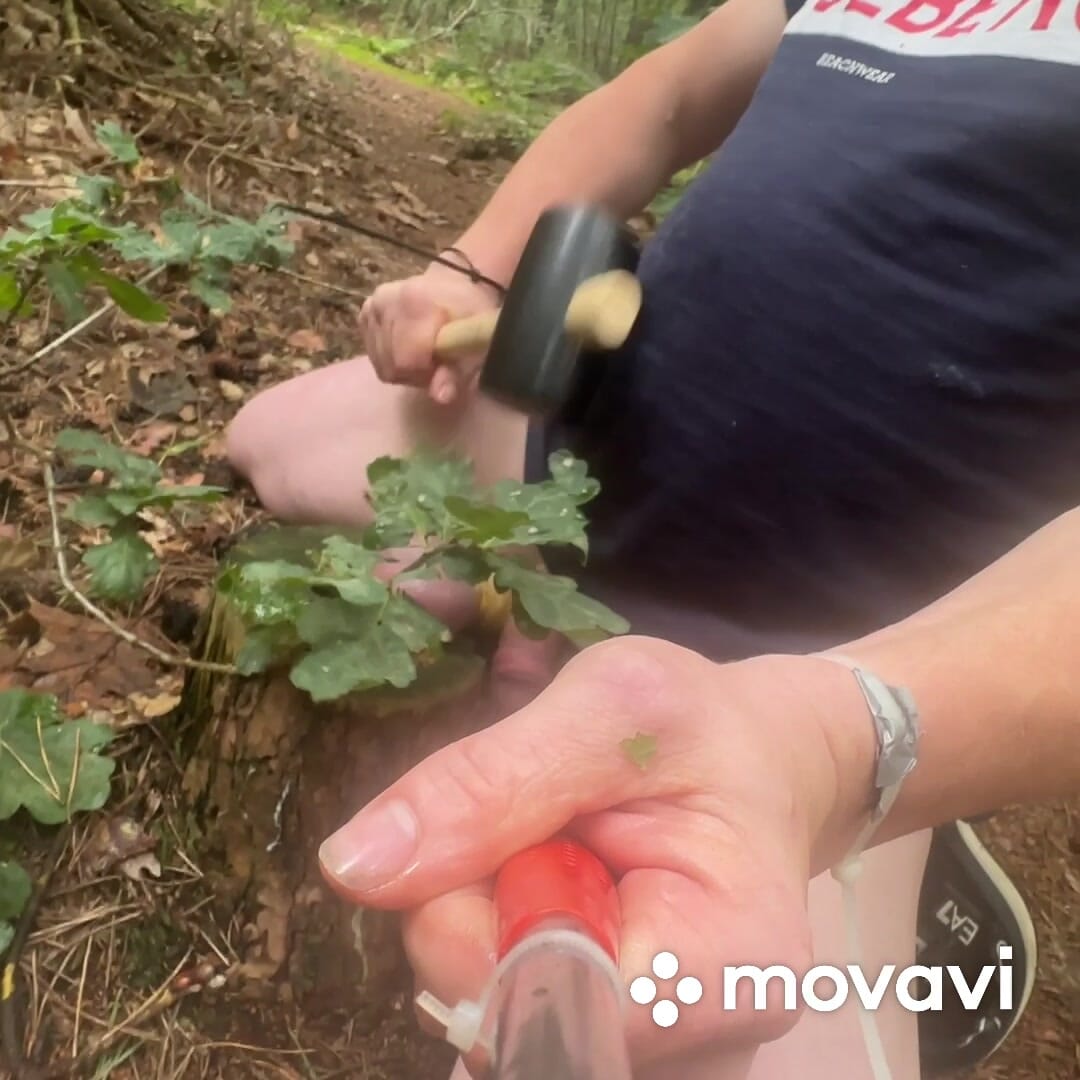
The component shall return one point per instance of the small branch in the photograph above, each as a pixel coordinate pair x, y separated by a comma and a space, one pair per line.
71, 21
254, 159
322, 284
41, 185
93, 610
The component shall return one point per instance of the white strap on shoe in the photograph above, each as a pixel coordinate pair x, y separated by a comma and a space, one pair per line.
896, 724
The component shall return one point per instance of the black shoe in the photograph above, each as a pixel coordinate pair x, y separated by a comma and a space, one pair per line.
968, 911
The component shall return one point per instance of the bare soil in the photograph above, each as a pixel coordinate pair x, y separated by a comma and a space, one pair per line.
111, 965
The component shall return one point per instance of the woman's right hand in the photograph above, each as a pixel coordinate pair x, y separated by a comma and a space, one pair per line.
401, 319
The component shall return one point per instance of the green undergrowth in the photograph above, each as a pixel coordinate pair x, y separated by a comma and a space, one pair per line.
505, 101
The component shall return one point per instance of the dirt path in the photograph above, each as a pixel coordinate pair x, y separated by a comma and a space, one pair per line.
382, 156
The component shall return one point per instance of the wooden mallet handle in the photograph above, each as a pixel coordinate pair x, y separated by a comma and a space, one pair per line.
600, 315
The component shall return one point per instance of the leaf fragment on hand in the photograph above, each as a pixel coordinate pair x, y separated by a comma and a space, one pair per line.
640, 749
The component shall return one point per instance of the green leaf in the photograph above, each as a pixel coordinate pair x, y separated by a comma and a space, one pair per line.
129, 500
327, 619
15, 890
120, 568
450, 676
235, 242
485, 526
391, 529
554, 603
342, 667
266, 593
67, 287
10, 291
117, 142
137, 246
208, 288
265, 646
93, 450
419, 629
95, 512
48, 764
131, 299
640, 749
458, 564
97, 191
571, 475
408, 495
553, 507
181, 230
349, 568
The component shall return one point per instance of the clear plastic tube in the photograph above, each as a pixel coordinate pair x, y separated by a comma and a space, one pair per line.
558, 1011
554, 1008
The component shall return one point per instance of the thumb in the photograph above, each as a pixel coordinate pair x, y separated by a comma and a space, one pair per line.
457, 816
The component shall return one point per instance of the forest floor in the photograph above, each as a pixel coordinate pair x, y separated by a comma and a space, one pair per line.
119, 942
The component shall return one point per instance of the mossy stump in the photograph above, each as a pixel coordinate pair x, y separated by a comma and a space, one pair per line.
268, 775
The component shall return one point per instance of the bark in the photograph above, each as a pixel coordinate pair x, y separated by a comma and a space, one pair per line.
270, 775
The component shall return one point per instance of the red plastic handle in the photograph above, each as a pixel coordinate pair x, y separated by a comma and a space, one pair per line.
557, 879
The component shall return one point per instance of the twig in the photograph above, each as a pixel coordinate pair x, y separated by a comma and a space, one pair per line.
71, 21
10, 1041
322, 284
41, 185
93, 610
253, 159
68, 334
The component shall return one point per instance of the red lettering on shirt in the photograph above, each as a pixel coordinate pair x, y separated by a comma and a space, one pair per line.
939, 11
964, 25
1047, 10
922, 16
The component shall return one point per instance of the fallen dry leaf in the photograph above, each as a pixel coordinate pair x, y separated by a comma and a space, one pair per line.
116, 840
163, 395
230, 391
81, 660
141, 865
307, 341
156, 706
73, 122
149, 437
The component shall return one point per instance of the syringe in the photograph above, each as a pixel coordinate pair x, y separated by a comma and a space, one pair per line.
554, 1007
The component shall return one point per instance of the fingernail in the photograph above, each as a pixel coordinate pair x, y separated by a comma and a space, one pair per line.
372, 849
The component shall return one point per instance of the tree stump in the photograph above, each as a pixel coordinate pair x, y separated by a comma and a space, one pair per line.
269, 776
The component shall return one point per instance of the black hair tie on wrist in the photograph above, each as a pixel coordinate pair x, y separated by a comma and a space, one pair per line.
470, 269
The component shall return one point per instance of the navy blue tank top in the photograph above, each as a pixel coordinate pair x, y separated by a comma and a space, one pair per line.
856, 378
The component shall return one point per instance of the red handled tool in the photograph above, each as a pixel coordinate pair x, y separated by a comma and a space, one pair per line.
554, 1008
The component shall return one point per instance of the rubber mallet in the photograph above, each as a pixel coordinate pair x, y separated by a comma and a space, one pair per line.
573, 298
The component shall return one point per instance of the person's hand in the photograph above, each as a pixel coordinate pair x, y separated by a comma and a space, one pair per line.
401, 319
760, 778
